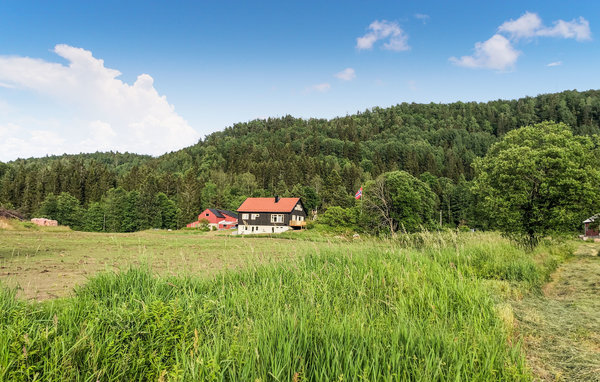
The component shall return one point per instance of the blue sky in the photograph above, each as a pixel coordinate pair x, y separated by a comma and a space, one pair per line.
172, 72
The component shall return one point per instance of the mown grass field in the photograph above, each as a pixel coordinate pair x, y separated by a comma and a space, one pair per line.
561, 325
48, 262
182, 306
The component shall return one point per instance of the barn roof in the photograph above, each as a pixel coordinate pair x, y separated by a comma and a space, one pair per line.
591, 219
222, 213
268, 205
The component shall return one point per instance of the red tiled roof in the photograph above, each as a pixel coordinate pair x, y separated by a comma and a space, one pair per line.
268, 205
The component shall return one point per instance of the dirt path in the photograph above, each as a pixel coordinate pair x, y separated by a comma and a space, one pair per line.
561, 325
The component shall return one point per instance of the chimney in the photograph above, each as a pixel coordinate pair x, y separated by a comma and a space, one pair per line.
276, 199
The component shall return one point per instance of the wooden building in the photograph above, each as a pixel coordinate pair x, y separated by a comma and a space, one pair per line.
591, 226
220, 219
271, 215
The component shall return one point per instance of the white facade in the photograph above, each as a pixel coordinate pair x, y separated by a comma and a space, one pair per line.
254, 229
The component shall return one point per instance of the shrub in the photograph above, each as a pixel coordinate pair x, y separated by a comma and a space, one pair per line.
339, 217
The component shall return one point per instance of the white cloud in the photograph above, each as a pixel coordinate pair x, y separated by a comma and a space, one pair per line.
102, 137
347, 74
115, 115
578, 29
46, 137
556, 63
530, 25
496, 53
321, 88
16, 141
423, 17
525, 26
7, 129
397, 40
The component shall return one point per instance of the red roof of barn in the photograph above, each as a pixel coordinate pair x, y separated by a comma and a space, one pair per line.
268, 205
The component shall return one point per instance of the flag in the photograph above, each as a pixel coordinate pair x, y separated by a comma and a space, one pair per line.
358, 193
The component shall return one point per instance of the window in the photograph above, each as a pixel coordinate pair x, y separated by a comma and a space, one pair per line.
255, 216
207, 214
276, 218
298, 207
245, 216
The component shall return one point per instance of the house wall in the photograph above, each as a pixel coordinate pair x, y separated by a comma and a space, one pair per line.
264, 219
588, 231
254, 229
212, 218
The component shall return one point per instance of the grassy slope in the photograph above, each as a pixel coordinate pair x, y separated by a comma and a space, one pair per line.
428, 308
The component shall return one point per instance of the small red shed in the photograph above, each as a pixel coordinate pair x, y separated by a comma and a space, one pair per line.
590, 226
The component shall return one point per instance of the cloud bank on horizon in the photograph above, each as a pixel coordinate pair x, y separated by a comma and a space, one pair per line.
499, 53
107, 113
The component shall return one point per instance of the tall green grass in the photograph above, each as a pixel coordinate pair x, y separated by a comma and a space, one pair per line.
367, 314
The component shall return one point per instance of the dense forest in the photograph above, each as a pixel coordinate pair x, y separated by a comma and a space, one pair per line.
323, 161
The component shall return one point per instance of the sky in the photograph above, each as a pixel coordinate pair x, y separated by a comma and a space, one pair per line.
155, 76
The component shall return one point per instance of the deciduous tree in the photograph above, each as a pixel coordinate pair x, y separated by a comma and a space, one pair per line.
538, 180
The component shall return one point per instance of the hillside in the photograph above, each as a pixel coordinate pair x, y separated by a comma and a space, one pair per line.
324, 161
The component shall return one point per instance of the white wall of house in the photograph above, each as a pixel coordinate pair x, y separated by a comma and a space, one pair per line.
253, 229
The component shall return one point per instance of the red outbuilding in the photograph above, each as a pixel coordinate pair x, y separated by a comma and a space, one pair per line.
221, 219
590, 227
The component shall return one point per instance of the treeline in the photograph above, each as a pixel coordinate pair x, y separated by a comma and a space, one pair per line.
118, 211
323, 161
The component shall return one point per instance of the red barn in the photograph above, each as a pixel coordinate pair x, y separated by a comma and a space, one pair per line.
221, 219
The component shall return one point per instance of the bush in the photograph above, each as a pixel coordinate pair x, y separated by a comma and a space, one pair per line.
339, 217
30, 225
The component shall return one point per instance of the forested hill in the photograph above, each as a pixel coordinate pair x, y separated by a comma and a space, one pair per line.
119, 162
325, 161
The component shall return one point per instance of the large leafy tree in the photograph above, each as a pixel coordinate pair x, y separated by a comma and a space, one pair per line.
68, 211
538, 180
398, 201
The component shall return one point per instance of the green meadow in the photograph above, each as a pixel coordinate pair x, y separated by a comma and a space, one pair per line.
180, 306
